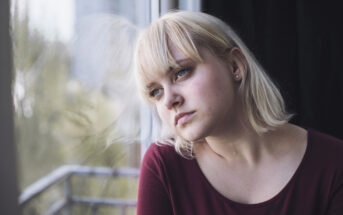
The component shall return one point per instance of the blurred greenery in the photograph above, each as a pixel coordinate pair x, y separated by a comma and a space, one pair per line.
59, 121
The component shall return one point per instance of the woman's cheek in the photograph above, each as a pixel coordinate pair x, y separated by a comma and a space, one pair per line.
201, 88
163, 115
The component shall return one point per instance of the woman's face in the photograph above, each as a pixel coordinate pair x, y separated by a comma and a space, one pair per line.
198, 100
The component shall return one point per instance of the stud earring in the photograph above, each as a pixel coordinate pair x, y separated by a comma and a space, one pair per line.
237, 77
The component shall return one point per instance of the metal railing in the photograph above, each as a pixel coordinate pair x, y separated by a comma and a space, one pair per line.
63, 175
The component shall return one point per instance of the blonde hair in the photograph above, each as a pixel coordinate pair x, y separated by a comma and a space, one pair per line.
263, 103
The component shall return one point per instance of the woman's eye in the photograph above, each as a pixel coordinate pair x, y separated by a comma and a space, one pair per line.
154, 92
181, 73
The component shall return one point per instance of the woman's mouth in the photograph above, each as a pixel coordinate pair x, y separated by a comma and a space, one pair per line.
182, 118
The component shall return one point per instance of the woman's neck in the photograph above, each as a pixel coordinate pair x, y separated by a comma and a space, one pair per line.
242, 145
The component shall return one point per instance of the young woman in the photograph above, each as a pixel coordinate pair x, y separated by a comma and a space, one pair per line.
225, 144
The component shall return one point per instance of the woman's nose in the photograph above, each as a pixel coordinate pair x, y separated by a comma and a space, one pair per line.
172, 99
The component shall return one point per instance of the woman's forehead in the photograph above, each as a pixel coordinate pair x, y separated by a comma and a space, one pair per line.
176, 53
162, 61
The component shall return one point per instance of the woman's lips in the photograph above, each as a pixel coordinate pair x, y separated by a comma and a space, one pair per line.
182, 118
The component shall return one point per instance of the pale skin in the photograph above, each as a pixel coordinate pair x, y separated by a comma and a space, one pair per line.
240, 164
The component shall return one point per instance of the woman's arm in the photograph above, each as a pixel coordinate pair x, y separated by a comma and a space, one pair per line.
153, 197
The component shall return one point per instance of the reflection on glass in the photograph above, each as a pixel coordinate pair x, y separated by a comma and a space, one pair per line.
74, 102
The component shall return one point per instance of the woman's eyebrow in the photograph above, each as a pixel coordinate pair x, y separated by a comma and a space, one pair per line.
181, 62
149, 86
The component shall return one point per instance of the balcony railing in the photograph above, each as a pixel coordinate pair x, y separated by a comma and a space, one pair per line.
63, 175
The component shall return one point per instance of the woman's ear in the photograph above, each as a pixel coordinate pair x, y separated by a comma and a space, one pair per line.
238, 63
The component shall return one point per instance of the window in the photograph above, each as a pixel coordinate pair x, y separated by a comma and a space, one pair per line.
72, 60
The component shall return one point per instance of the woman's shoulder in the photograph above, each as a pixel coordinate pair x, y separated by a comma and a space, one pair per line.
320, 149
165, 163
325, 141
157, 149
327, 149
159, 153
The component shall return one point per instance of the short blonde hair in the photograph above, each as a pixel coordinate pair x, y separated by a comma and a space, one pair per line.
187, 31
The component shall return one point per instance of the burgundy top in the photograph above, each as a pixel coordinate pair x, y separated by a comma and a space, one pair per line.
170, 184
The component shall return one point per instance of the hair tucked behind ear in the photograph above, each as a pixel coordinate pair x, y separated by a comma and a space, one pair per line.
261, 99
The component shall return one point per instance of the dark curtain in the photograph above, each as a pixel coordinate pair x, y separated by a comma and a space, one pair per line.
299, 43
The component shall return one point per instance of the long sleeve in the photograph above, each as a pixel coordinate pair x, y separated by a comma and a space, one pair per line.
153, 197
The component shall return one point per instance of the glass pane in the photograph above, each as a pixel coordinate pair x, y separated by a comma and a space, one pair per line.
74, 96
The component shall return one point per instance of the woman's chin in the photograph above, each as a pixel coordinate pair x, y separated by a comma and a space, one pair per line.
192, 136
